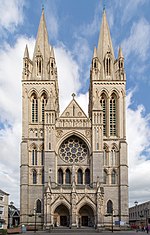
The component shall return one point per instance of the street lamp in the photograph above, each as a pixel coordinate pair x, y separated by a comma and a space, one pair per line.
136, 203
112, 221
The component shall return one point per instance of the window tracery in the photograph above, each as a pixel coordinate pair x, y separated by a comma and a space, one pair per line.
73, 150
34, 102
113, 112
103, 105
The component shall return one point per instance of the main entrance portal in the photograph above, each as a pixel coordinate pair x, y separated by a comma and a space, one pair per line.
86, 216
61, 216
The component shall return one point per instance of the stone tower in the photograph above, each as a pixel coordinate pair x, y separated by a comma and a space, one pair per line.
73, 167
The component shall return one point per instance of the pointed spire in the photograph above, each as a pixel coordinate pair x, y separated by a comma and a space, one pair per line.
120, 54
105, 42
52, 53
42, 39
26, 52
95, 53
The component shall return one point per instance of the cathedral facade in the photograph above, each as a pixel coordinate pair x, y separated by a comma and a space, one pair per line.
74, 169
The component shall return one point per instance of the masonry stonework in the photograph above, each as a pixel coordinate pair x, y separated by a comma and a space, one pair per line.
74, 168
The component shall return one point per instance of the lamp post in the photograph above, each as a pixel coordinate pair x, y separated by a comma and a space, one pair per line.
112, 220
136, 203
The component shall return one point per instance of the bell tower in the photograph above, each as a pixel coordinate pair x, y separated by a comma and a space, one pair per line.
39, 93
107, 104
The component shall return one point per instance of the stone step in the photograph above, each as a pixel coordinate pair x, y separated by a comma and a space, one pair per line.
73, 230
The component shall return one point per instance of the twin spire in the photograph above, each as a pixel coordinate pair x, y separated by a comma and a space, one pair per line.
105, 43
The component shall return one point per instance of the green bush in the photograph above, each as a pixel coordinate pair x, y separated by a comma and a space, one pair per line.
3, 231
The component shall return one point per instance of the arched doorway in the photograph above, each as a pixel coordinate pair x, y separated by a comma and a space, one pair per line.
61, 216
86, 216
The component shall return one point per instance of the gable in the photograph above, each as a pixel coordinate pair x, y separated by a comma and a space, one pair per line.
73, 110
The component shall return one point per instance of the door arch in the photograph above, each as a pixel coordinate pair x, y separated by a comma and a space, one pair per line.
86, 216
61, 216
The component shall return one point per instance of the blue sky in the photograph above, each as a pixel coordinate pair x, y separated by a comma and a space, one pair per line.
73, 28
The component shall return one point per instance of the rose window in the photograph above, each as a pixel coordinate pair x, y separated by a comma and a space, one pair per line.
73, 150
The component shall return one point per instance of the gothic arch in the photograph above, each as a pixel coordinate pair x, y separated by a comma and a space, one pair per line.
109, 207
43, 91
86, 201
105, 146
60, 202
105, 92
33, 146
114, 146
38, 206
31, 92
73, 133
114, 91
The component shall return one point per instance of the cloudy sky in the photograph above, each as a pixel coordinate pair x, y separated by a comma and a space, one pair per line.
73, 28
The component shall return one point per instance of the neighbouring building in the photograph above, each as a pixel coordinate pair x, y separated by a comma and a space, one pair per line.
4, 197
74, 168
139, 215
13, 215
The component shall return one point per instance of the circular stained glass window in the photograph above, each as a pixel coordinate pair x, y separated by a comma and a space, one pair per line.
73, 150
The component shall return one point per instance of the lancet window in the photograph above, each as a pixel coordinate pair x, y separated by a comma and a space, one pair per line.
34, 101
39, 65
38, 206
105, 177
43, 103
60, 176
87, 176
80, 176
103, 104
109, 207
34, 156
113, 115
68, 176
34, 177
113, 177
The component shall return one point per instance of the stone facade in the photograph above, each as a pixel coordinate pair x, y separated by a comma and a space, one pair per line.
73, 167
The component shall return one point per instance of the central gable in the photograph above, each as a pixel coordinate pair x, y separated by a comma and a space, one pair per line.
73, 110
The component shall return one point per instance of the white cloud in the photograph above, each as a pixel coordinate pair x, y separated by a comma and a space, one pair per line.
10, 115
138, 41
130, 8
11, 14
68, 75
52, 21
138, 138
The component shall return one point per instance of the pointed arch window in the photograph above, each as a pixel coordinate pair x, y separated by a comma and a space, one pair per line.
43, 176
113, 114
113, 157
68, 176
108, 65
34, 156
60, 176
113, 177
39, 65
42, 157
38, 206
103, 105
105, 156
80, 176
87, 176
43, 103
34, 101
105, 177
34, 177
109, 207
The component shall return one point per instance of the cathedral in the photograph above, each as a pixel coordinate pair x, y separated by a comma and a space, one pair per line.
74, 169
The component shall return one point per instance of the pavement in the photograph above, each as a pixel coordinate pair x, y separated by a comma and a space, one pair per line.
55, 232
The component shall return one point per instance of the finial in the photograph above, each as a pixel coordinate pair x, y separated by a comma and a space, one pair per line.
103, 4
43, 5
73, 95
